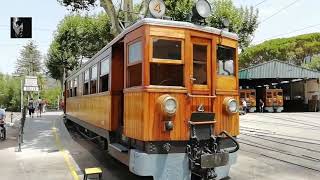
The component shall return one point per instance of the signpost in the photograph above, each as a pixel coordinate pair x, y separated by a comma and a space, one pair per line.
31, 84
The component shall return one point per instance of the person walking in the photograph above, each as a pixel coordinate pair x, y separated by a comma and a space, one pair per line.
31, 107
39, 107
261, 105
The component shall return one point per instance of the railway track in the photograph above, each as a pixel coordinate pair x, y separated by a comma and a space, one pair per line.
298, 151
293, 120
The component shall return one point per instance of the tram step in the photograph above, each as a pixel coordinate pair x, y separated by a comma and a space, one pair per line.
119, 152
119, 147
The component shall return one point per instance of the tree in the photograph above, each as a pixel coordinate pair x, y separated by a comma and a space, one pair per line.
29, 62
314, 64
107, 5
9, 92
293, 49
77, 37
243, 21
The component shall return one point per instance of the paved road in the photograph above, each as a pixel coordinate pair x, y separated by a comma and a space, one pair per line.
40, 157
279, 146
282, 146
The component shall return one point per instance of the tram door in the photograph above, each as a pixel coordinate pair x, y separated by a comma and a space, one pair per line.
201, 74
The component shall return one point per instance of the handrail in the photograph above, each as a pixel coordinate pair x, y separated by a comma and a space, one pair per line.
201, 96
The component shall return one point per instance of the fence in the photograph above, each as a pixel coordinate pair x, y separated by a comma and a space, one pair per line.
21, 126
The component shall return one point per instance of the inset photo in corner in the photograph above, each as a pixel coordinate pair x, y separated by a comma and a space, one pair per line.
21, 27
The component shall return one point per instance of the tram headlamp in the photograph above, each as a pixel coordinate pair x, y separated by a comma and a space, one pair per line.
231, 105
168, 104
201, 10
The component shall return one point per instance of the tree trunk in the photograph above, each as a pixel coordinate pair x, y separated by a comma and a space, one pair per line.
108, 6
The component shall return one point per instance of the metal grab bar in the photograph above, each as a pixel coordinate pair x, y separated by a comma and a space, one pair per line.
201, 96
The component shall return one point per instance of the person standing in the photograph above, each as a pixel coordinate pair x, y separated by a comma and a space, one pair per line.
244, 106
261, 105
31, 107
2, 122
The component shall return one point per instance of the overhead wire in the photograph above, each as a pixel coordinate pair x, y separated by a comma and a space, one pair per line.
260, 3
280, 10
296, 30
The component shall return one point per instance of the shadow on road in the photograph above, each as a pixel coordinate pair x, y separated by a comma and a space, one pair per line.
93, 155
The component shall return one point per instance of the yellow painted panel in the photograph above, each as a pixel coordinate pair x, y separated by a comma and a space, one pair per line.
167, 32
226, 83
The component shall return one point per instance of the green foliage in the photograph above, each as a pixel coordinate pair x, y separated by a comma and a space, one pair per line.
243, 21
293, 49
77, 37
51, 96
179, 10
10, 92
78, 4
29, 62
314, 64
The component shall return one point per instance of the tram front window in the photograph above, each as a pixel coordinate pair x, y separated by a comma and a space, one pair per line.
166, 66
225, 58
166, 74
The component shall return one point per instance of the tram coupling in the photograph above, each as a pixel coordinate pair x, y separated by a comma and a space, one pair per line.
204, 149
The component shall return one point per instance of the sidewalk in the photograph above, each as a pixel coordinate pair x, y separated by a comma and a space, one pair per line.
42, 156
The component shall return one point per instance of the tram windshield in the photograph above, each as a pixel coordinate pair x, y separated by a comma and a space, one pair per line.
225, 58
166, 67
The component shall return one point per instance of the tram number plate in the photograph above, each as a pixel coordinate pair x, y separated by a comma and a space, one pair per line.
214, 160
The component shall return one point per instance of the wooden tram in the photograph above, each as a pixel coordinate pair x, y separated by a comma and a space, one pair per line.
163, 94
273, 99
249, 95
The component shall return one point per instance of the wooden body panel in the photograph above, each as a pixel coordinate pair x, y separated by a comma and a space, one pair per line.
225, 122
93, 109
143, 119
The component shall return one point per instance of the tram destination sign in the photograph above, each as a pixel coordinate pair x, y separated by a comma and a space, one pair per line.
31, 84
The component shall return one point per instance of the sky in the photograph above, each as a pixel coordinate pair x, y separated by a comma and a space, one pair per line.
277, 19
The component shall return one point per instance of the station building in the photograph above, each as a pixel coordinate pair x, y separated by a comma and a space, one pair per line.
301, 86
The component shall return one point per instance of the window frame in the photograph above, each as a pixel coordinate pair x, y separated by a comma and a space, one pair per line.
84, 82
128, 49
152, 60
128, 64
234, 60
202, 42
166, 61
108, 60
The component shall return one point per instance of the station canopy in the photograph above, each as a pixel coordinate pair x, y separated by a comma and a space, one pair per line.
276, 69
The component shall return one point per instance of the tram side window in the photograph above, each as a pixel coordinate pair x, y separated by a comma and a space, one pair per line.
269, 94
93, 80
134, 69
86, 83
75, 85
104, 75
280, 93
166, 68
225, 60
70, 88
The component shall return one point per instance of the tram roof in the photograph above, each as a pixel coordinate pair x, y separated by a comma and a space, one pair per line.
163, 23
276, 69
